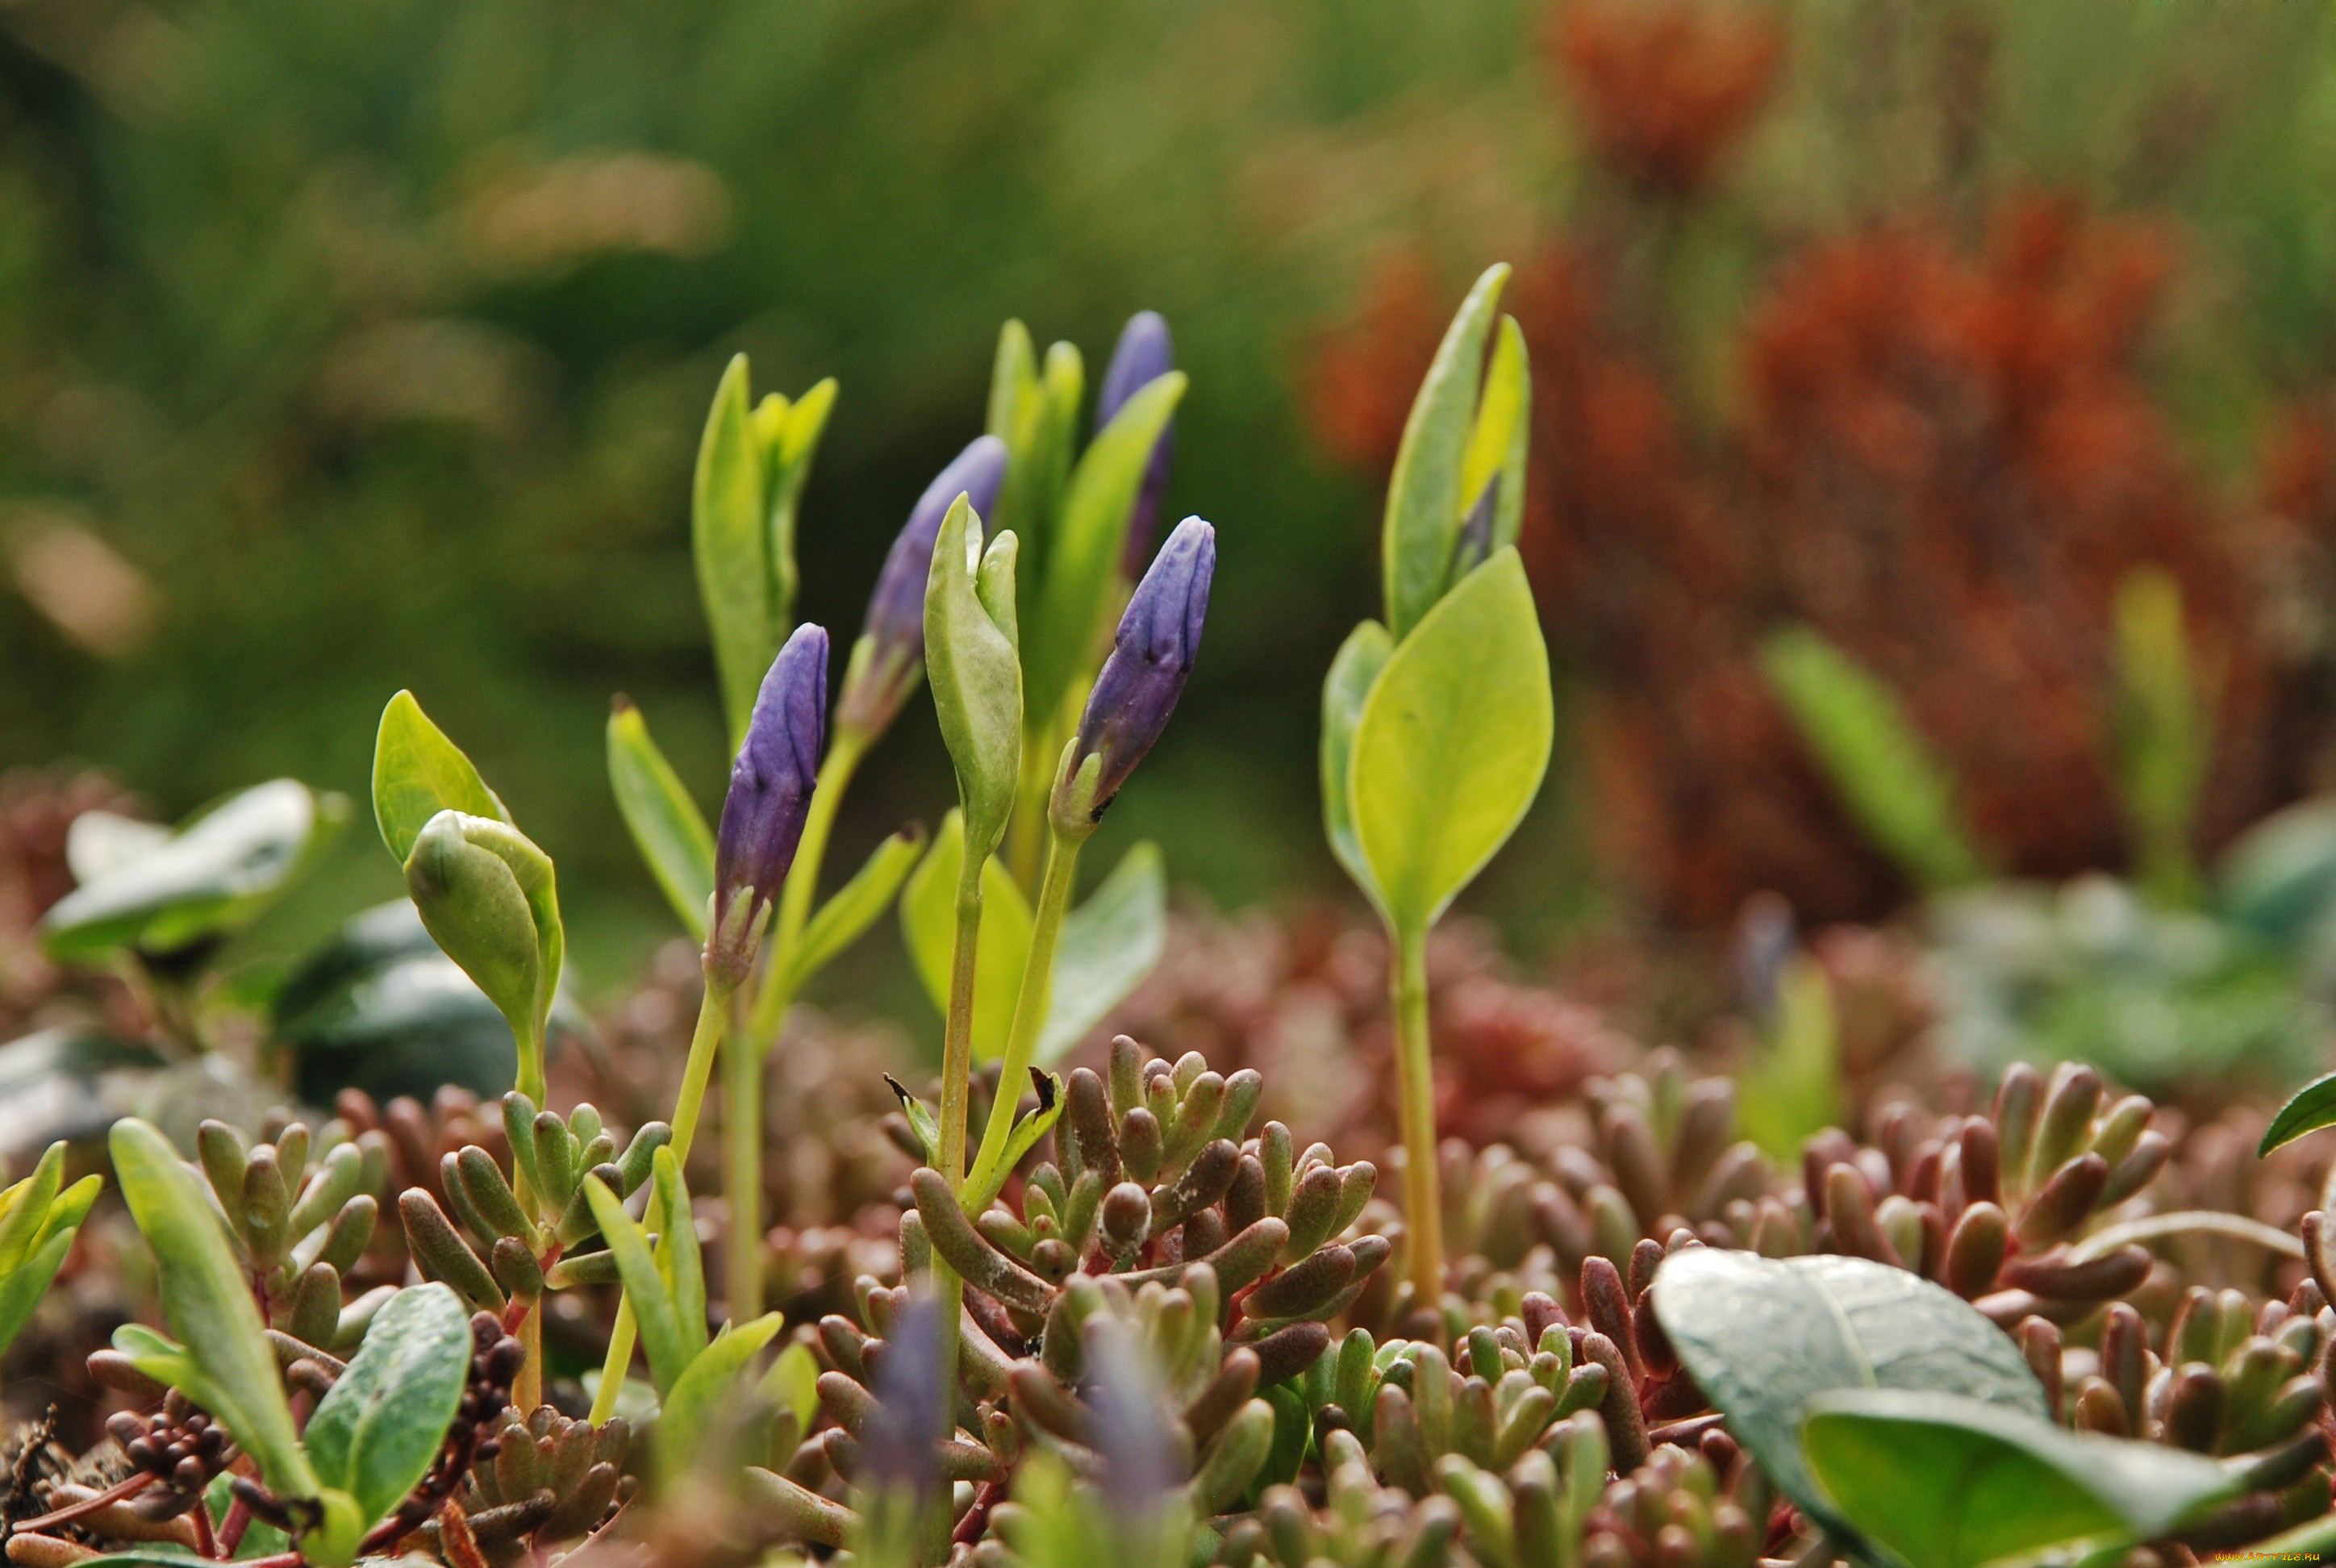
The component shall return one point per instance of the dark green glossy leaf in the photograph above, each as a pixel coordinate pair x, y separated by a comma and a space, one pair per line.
2308, 1109
1944, 1481
1453, 742
666, 826
1764, 1338
211, 878
376, 1431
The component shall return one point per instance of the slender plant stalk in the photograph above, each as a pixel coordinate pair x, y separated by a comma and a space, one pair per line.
1030, 1005
1026, 833
703, 1042
957, 1097
530, 1065
742, 1132
1416, 1087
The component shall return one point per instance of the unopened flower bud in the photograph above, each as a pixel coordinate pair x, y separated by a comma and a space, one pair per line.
1144, 355
1151, 657
888, 660
770, 793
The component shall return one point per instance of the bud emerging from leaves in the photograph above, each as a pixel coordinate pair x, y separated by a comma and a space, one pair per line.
1144, 355
770, 792
888, 660
1151, 656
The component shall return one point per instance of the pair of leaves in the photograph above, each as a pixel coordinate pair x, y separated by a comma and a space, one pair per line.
486, 892
1034, 409
1456, 446
752, 463
37, 1225
1083, 550
664, 1281
1433, 747
974, 664
1895, 1414
1106, 947
158, 893
1887, 778
673, 837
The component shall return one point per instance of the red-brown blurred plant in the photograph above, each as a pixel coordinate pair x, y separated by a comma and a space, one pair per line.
1944, 457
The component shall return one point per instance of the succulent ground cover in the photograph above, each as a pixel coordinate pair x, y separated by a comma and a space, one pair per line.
1529, 1297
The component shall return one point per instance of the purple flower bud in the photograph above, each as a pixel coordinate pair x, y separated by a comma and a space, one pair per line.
1144, 355
770, 791
899, 1453
1130, 1432
892, 640
1151, 656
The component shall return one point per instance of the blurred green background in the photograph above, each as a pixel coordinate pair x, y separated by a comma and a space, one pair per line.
352, 346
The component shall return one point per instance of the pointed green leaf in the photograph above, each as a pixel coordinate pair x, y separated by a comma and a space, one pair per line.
1108, 945
1949, 1482
787, 451
928, 928
713, 1376
975, 674
418, 772
378, 1428
22, 1287
1083, 556
792, 1384
223, 1361
1353, 672
729, 535
678, 1259
1423, 502
1452, 743
215, 875
24, 1207
666, 826
1764, 1338
923, 1125
2308, 1109
856, 905
668, 1353
986, 1181
1874, 758
1500, 442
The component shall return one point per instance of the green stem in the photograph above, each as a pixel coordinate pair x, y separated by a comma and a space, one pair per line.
742, 1136
1416, 1096
1026, 832
957, 1097
703, 1042
531, 1064
1030, 1005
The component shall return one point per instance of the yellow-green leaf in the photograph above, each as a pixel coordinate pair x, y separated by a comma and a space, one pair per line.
729, 535
666, 826
929, 927
1452, 743
418, 772
1424, 499
1353, 672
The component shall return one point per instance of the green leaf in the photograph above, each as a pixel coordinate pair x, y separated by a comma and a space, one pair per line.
668, 1351
377, 1429
23, 1287
418, 772
666, 826
975, 671
2164, 730
789, 441
1083, 555
1452, 743
923, 1125
856, 905
1107, 947
1362, 657
730, 537
2308, 1109
1501, 440
678, 1261
711, 1377
1948, 1482
1423, 502
222, 1362
214, 876
792, 1384
24, 1207
1870, 750
986, 1182
1765, 1338
2279, 880
480, 916
1792, 1089
928, 928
